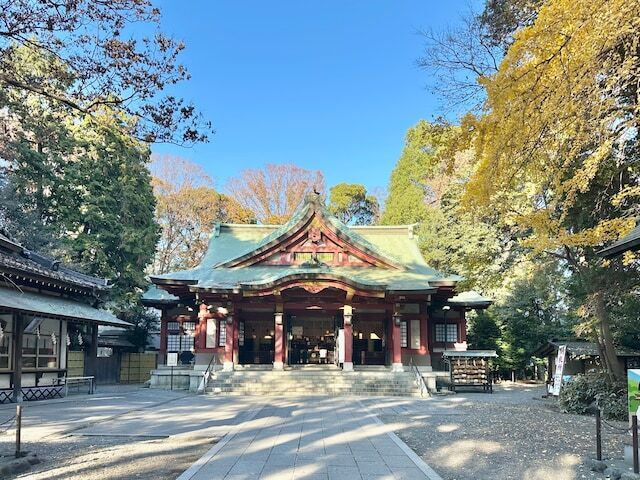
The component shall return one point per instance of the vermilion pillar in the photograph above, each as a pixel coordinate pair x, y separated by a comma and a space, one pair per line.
278, 356
396, 348
228, 344
348, 339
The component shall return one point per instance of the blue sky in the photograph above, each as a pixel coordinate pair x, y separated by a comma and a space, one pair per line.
325, 84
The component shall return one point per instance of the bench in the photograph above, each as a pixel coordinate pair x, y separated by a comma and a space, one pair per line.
79, 381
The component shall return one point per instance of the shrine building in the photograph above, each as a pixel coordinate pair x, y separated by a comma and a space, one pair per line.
311, 291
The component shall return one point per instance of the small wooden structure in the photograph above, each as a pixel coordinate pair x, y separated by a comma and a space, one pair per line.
48, 313
582, 357
470, 368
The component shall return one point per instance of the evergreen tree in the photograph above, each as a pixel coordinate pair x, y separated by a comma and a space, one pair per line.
351, 204
78, 189
411, 197
108, 206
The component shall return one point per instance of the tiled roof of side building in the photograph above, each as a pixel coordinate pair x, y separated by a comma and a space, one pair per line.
14, 257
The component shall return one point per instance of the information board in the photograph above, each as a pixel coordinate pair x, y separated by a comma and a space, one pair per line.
172, 359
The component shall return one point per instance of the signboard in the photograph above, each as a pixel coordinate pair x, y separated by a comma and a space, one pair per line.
557, 376
633, 383
172, 359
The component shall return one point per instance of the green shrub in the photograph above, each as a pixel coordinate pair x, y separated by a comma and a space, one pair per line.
585, 391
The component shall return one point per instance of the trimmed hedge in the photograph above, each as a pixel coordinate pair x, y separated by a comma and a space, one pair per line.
585, 391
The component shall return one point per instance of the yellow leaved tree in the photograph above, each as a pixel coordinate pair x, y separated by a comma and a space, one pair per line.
557, 143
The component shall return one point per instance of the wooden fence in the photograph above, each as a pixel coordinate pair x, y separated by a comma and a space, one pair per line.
136, 367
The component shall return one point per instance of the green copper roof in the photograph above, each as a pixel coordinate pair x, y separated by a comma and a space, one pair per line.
395, 245
158, 295
30, 302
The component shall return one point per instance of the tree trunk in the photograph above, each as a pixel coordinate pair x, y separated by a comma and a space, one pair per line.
613, 365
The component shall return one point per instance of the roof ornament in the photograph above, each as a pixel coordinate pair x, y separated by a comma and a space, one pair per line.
314, 198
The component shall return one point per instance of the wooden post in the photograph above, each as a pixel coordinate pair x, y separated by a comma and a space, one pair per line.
598, 435
634, 433
18, 429
17, 359
92, 353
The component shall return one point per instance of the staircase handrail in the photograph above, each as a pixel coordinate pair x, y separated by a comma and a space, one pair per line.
208, 373
419, 380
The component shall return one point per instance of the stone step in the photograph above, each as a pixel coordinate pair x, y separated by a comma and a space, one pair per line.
319, 381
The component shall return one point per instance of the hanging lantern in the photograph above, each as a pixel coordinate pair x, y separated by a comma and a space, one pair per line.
54, 340
1, 333
38, 333
68, 340
80, 339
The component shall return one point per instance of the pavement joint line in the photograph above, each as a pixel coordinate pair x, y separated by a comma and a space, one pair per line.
415, 458
111, 417
204, 459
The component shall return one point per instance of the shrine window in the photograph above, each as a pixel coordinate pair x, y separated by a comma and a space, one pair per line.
173, 326
180, 343
451, 330
410, 334
222, 338
40, 348
404, 335
189, 327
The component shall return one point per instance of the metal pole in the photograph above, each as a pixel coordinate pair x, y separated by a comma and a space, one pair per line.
634, 433
598, 435
18, 429
172, 377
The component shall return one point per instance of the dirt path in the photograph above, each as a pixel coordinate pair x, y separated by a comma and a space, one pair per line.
118, 458
505, 436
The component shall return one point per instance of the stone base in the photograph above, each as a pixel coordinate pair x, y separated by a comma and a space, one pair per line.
397, 367
278, 365
347, 367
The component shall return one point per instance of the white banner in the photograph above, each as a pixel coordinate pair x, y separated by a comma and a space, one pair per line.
557, 376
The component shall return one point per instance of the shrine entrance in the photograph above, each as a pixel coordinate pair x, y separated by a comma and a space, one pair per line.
311, 339
256, 342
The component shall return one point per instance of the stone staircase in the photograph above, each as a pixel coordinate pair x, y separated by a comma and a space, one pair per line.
309, 381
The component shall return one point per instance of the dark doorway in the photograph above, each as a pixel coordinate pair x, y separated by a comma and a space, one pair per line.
256, 342
108, 368
311, 339
369, 335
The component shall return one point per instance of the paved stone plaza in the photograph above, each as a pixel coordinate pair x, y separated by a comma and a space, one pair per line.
314, 439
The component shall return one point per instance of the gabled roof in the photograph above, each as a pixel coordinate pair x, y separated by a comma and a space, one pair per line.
231, 261
631, 241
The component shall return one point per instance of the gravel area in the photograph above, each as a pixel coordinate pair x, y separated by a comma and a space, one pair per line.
507, 435
93, 458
